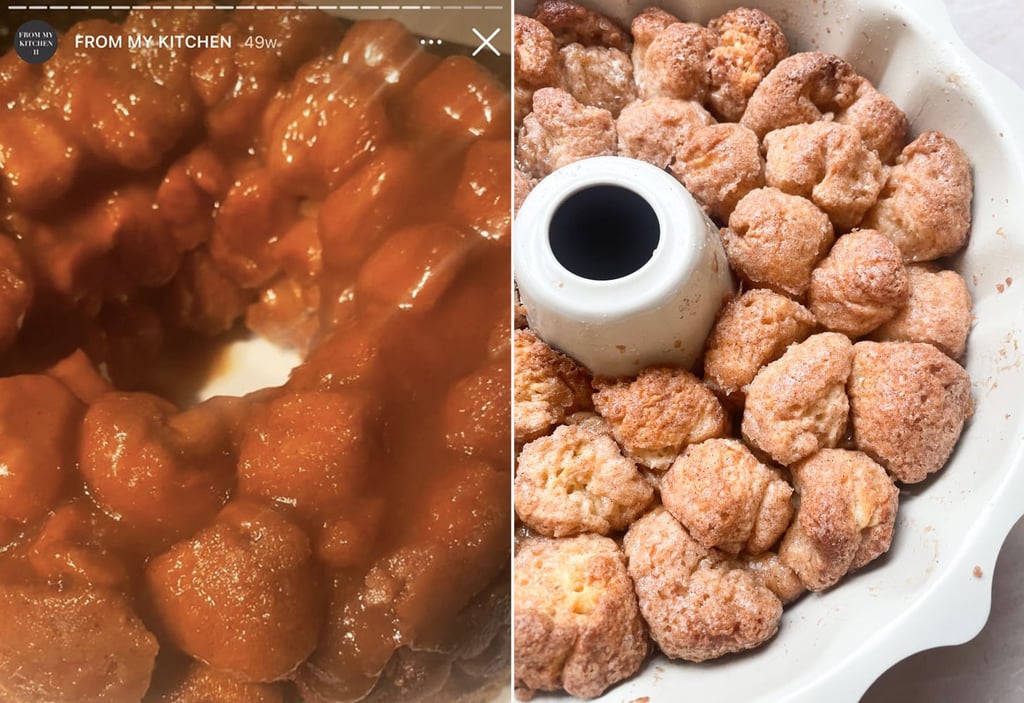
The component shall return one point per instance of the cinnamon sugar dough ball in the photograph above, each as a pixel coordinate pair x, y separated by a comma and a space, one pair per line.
908, 402
774, 240
571, 22
535, 60
859, 285
598, 76
560, 131
653, 130
925, 205
698, 605
845, 519
576, 480
675, 63
797, 404
881, 123
548, 386
805, 87
521, 187
726, 498
769, 571
719, 164
577, 625
752, 330
938, 311
827, 163
645, 27
750, 44
654, 416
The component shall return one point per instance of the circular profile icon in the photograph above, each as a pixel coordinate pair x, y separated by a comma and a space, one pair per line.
35, 41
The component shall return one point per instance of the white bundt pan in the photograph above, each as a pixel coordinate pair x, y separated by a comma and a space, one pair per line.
933, 588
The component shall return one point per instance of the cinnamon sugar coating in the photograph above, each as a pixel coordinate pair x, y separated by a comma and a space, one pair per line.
561, 130
750, 44
797, 404
937, 311
674, 63
908, 403
774, 575
536, 62
548, 386
719, 164
577, 624
881, 123
571, 22
654, 130
845, 519
598, 76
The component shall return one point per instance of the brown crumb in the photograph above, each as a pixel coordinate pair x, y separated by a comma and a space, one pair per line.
978, 573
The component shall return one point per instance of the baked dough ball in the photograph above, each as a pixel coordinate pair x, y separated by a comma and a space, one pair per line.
774, 240
548, 386
798, 405
859, 285
719, 164
697, 603
726, 498
881, 123
576, 480
752, 330
577, 625
675, 63
805, 87
750, 44
560, 131
653, 130
937, 311
770, 572
647, 25
909, 402
845, 519
827, 163
598, 76
654, 416
196, 682
925, 205
535, 61
522, 185
571, 23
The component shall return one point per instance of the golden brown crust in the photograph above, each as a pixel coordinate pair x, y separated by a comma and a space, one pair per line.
560, 131
804, 87
674, 64
774, 240
859, 285
598, 76
571, 22
657, 414
548, 387
697, 604
645, 27
719, 164
845, 519
925, 205
771, 573
726, 498
752, 330
577, 625
576, 480
938, 311
653, 130
750, 44
909, 403
881, 123
829, 164
798, 405
535, 61
522, 185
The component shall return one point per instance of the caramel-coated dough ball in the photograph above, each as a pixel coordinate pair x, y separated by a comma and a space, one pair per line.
577, 625
535, 61
548, 386
909, 402
654, 416
576, 480
797, 404
571, 22
774, 240
17, 290
752, 330
719, 164
925, 205
675, 63
845, 519
598, 76
750, 44
653, 130
829, 164
881, 123
560, 131
698, 604
726, 498
938, 311
859, 285
804, 87
197, 682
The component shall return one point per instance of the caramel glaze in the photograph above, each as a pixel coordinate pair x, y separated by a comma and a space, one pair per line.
341, 538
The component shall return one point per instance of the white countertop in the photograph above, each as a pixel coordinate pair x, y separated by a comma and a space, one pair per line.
989, 668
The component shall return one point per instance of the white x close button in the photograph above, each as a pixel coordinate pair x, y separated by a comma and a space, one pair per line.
486, 41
